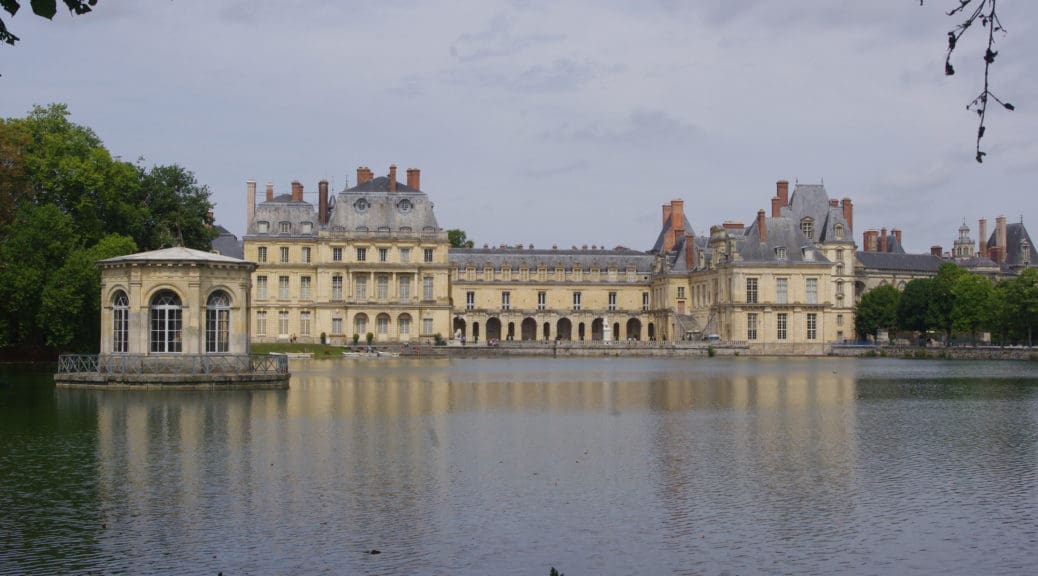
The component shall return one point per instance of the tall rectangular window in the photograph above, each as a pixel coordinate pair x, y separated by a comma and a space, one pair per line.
382, 286
284, 254
282, 287
261, 323
121, 324
360, 288
470, 300
283, 322
839, 319
427, 326
404, 287
336, 287
542, 300
405, 255
362, 254
306, 254
812, 325
261, 253
506, 300
427, 288
336, 254
612, 300
336, 325
261, 287
304, 287
304, 323
427, 255
781, 290
645, 301
576, 300
681, 292
812, 290
751, 326
383, 254
751, 291
781, 325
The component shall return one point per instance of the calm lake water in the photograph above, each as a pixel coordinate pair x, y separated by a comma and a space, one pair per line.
512, 466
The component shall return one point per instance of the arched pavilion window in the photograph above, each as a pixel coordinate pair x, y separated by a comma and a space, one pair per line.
120, 322
218, 322
167, 322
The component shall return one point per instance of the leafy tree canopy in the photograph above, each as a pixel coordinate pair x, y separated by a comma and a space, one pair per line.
43, 8
877, 310
459, 239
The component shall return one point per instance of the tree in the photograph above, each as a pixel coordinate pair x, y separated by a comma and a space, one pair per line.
913, 309
43, 8
877, 310
459, 239
177, 209
942, 299
985, 12
1017, 306
974, 304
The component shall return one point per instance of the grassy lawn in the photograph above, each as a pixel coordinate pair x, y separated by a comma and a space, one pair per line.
318, 350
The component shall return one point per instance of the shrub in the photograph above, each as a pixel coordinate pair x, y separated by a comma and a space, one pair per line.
369, 337
710, 351
356, 337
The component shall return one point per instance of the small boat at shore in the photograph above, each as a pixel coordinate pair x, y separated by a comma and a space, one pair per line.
372, 354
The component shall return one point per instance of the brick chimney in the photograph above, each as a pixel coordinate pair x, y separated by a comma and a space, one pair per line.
392, 177
782, 189
297, 191
897, 234
936, 251
776, 207
1000, 238
690, 251
322, 202
666, 214
730, 225
871, 240
414, 179
363, 175
883, 240
834, 203
270, 191
250, 203
848, 215
983, 242
762, 229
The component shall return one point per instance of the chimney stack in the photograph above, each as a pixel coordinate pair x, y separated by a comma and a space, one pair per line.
414, 179
250, 203
690, 251
983, 242
322, 202
848, 215
297, 191
883, 240
1000, 238
392, 177
776, 207
834, 203
270, 191
871, 240
666, 214
363, 175
936, 251
761, 227
897, 234
782, 188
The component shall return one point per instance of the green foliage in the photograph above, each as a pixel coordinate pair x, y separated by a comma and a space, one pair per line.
940, 312
974, 304
877, 310
711, 351
458, 238
369, 337
914, 305
65, 203
1016, 307
438, 340
356, 338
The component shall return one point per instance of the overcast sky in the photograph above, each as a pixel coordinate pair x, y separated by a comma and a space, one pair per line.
561, 122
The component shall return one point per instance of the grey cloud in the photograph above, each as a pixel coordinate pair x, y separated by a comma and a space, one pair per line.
498, 40
641, 127
580, 165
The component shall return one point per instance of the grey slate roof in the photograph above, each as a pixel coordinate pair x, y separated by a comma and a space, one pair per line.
283, 209
568, 259
1016, 234
371, 206
899, 262
227, 244
658, 246
812, 201
779, 232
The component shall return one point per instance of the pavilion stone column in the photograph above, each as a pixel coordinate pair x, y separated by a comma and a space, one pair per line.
138, 315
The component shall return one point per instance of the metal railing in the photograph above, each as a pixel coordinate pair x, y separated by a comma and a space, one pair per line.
172, 364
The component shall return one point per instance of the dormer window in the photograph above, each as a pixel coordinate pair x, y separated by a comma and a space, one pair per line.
404, 205
1025, 253
284, 227
306, 227
807, 226
262, 227
780, 252
838, 231
361, 205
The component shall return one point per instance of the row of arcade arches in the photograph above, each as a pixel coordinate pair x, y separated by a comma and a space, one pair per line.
564, 329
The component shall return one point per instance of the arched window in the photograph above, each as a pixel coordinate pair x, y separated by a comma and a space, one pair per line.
218, 322
166, 322
120, 322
